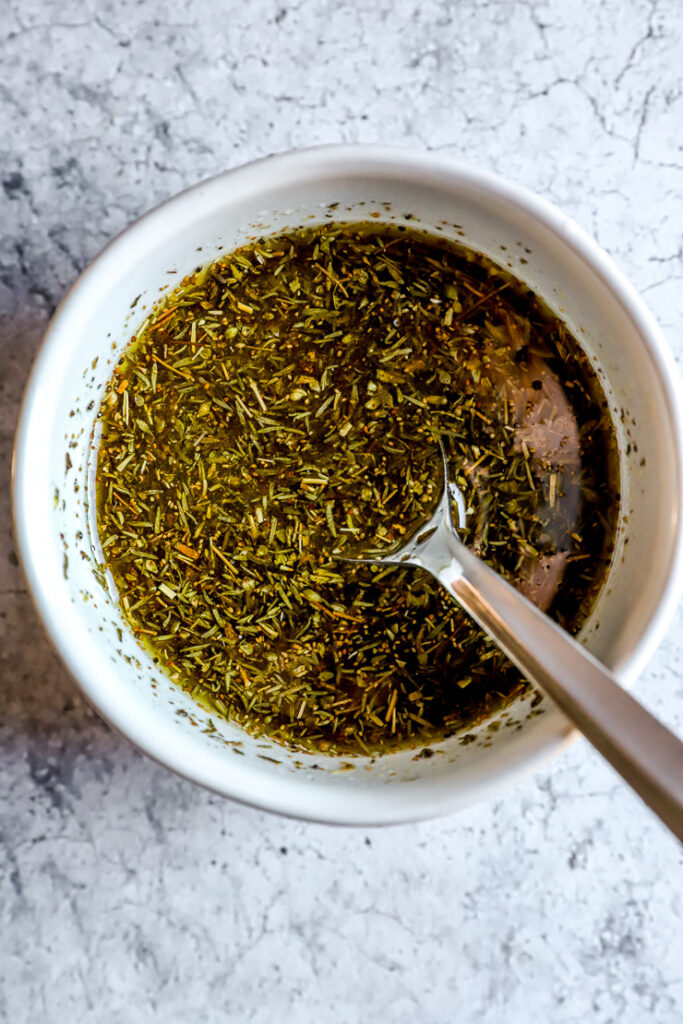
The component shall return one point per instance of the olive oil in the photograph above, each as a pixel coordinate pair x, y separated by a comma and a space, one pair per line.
281, 410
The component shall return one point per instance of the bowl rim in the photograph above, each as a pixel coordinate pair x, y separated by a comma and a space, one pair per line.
317, 161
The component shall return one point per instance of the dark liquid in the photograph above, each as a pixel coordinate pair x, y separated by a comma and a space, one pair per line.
287, 411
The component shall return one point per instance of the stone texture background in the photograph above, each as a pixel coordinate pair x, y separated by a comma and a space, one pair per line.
127, 894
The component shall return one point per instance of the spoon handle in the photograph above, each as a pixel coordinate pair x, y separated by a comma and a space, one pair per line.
643, 751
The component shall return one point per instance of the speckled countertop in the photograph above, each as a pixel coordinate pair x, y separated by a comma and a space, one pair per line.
127, 895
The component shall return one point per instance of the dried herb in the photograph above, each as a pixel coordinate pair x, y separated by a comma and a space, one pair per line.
281, 409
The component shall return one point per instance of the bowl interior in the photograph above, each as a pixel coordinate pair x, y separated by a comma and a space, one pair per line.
56, 447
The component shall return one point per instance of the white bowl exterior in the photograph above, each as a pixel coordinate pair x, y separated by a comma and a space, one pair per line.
54, 517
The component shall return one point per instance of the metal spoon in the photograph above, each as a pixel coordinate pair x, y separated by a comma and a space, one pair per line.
647, 755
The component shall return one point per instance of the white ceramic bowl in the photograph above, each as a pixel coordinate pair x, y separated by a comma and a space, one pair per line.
55, 456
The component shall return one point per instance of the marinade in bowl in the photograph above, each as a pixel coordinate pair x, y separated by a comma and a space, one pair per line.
281, 410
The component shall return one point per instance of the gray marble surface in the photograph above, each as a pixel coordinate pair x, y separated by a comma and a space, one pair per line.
127, 895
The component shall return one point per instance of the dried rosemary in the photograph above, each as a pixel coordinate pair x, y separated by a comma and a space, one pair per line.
280, 408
